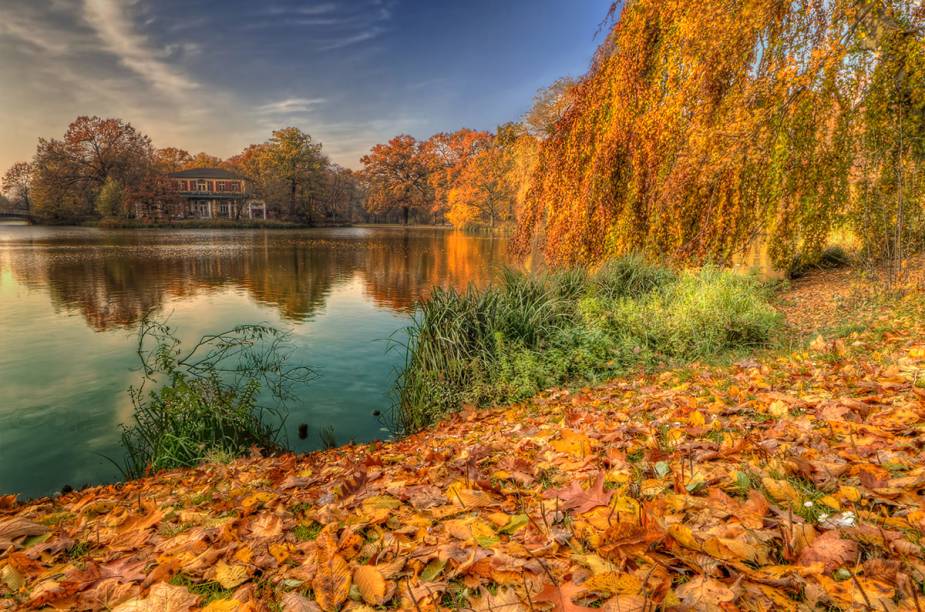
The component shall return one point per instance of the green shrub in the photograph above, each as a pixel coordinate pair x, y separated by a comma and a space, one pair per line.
704, 314
526, 333
631, 276
206, 401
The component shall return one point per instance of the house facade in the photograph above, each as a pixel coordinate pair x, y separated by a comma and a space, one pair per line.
216, 193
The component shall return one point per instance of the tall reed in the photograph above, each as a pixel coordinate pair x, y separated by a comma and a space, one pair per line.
526, 332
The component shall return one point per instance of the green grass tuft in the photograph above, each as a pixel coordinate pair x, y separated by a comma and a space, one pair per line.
526, 333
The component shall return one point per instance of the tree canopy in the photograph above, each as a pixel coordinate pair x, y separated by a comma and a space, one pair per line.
397, 177
701, 126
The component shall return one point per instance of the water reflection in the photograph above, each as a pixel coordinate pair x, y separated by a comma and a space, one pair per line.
70, 301
113, 278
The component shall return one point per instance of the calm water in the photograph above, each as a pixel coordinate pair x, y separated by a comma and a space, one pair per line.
71, 299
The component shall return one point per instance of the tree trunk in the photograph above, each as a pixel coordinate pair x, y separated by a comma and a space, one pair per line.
291, 198
404, 214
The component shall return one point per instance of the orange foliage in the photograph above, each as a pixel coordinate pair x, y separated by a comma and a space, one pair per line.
703, 124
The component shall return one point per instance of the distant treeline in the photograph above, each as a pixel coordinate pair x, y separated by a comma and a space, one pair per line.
105, 168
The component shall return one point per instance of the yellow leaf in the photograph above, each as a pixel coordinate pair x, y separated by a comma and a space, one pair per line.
378, 508
370, 583
500, 519
572, 443
483, 533
781, 490
244, 555
596, 563
468, 498
280, 551
696, 419
222, 605
849, 493
458, 528
332, 582
684, 536
778, 409
830, 501
613, 583
230, 576
251, 502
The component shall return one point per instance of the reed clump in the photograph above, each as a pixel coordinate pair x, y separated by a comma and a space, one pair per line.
528, 332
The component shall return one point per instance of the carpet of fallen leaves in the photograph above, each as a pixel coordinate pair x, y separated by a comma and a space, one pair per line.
786, 481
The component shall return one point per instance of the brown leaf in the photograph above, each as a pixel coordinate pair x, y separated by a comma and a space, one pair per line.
830, 550
331, 582
162, 597
702, 593
17, 527
296, 602
575, 498
561, 596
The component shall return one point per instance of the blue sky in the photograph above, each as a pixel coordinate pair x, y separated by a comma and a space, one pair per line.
217, 75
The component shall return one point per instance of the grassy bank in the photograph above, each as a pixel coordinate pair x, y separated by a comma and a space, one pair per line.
526, 333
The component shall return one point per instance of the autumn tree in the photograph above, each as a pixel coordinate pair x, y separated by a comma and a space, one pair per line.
110, 198
549, 107
68, 174
445, 155
342, 196
397, 177
702, 127
295, 159
17, 185
200, 160
484, 188
172, 159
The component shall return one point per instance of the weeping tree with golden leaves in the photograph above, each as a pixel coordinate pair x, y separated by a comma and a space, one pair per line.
701, 127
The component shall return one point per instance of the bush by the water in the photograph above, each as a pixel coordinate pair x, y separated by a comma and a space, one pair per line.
526, 333
206, 404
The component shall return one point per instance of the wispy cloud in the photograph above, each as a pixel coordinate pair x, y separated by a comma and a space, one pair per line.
113, 24
315, 9
331, 26
352, 39
289, 106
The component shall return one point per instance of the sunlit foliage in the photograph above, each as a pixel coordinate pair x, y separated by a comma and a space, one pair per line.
704, 126
397, 177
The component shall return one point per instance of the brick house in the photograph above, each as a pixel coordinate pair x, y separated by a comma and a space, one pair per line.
216, 193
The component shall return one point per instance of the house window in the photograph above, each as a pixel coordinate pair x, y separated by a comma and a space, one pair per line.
202, 186
223, 210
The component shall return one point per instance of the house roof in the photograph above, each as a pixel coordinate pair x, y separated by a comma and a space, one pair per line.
205, 173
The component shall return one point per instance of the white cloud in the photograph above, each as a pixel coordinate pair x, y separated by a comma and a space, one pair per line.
289, 106
117, 32
352, 39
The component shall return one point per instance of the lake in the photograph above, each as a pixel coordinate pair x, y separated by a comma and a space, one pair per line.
71, 300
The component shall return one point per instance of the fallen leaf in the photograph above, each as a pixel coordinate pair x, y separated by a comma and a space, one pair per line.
703, 593
14, 528
230, 576
370, 583
332, 582
830, 550
162, 597
575, 498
